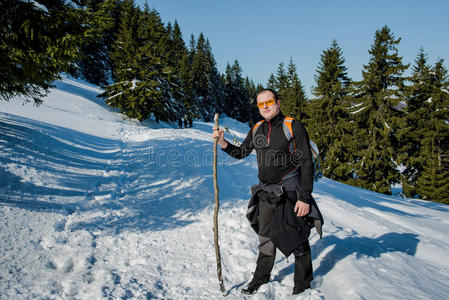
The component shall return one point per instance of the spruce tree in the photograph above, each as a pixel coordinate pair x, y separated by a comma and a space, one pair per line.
230, 102
200, 71
294, 98
250, 87
157, 69
376, 114
179, 47
38, 41
433, 182
271, 84
94, 64
414, 126
189, 99
126, 59
251, 91
142, 71
281, 81
205, 78
330, 126
217, 95
175, 51
237, 98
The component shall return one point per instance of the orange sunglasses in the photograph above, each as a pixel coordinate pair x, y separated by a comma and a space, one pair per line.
267, 103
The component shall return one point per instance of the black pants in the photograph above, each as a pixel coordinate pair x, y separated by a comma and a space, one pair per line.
267, 252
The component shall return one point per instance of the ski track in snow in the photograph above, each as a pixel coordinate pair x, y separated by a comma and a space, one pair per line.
95, 206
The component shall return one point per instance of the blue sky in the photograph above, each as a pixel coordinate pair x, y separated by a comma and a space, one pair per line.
261, 34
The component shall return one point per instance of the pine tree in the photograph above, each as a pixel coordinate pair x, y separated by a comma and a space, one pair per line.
376, 113
330, 128
201, 70
414, 128
199, 75
217, 94
126, 58
206, 80
251, 91
38, 41
294, 98
250, 87
95, 65
179, 47
176, 50
271, 84
433, 182
189, 100
230, 103
237, 98
143, 75
281, 81
158, 70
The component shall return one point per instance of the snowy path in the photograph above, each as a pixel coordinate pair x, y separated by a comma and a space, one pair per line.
93, 206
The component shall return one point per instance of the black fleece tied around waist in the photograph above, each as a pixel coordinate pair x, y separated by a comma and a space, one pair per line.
288, 231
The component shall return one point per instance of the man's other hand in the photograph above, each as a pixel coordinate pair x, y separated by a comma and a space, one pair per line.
301, 208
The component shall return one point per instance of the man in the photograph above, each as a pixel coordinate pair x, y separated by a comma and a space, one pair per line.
283, 194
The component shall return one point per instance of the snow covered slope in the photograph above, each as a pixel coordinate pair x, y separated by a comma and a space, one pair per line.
94, 205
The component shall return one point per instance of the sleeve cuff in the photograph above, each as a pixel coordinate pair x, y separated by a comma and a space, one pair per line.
229, 149
305, 197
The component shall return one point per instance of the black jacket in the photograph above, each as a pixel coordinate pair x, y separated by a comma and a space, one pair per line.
274, 159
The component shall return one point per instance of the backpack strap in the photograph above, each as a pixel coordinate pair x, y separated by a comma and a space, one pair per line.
288, 131
256, 127
314, 150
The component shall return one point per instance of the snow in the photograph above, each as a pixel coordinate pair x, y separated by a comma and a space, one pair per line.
355, 106
357, 111
36, 4
134, 84
94, 205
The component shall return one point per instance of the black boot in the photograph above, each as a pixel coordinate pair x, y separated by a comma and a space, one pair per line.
251, 288
264, 266
303, 273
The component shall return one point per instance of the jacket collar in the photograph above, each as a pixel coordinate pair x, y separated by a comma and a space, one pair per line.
276, 119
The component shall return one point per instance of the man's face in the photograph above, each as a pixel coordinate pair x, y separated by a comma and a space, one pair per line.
268, 111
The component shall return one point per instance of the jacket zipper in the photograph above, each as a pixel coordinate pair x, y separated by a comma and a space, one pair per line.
269, 132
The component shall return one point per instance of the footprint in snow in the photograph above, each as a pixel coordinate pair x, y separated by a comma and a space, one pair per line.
60, 225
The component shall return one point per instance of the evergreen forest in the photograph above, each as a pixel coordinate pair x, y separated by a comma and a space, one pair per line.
391, 127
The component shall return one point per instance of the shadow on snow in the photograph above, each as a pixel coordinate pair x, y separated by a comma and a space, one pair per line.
359, 246
156, 183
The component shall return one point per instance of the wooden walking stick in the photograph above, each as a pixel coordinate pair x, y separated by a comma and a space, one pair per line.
217, 204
